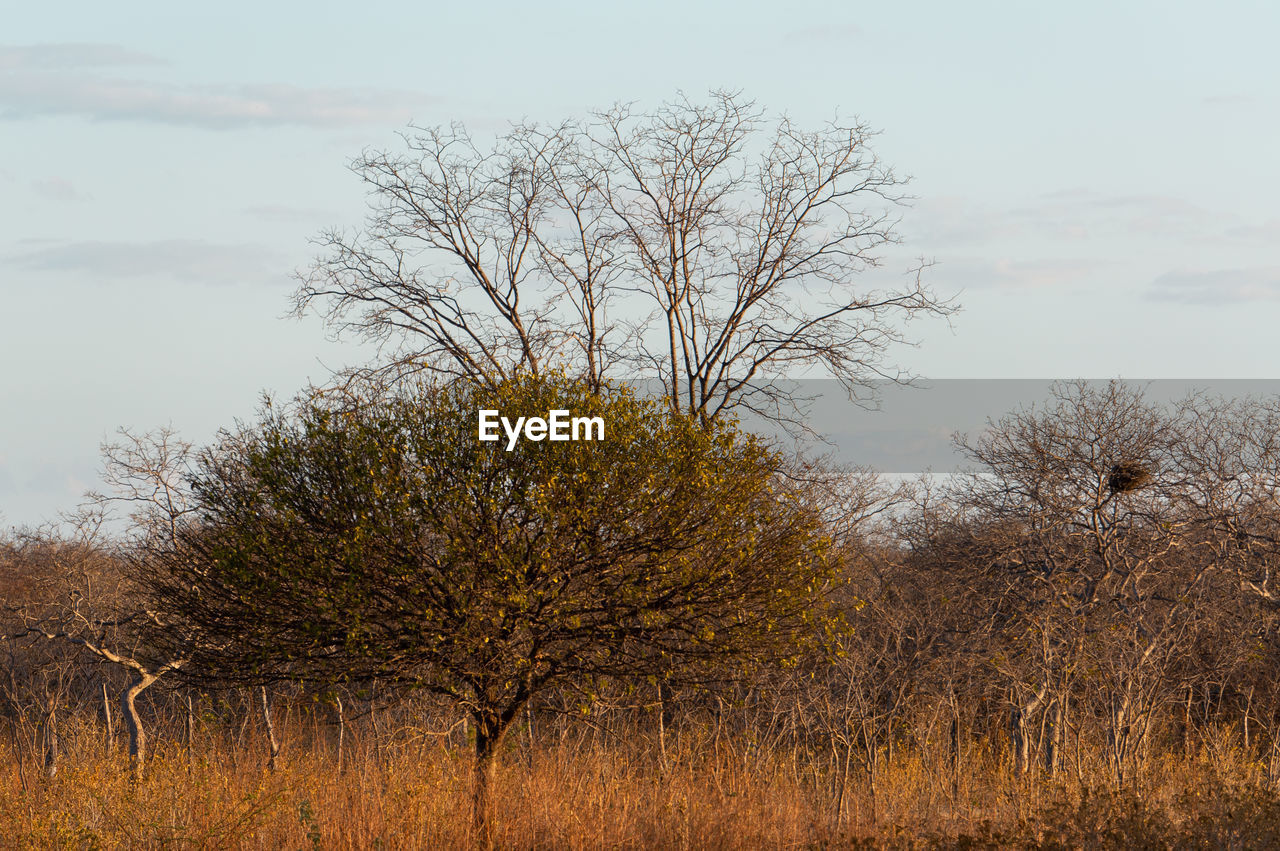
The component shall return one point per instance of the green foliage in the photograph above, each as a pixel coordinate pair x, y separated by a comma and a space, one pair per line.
384, 540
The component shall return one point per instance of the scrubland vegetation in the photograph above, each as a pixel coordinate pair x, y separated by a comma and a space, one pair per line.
352, 623
600, 782
1073, 647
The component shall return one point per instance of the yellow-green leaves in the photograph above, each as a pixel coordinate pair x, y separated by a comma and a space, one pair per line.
397, 545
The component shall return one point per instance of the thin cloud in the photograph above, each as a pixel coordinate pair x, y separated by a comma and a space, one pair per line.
952, 220
26, 95
1267, 232
183, 260
1218, 286
1006, 273
1160, 214
1079, 213
845, 32
57, 189
1226, 100
71, 55
1069, 215
287, 214
69, 80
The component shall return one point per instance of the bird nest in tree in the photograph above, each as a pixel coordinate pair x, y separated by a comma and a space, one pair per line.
1128, 476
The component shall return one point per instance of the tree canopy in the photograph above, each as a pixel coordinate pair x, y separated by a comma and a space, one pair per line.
383, 540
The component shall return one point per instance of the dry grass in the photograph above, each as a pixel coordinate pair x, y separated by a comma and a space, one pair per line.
584, 793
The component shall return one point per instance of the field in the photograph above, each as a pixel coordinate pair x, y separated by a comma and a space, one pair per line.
602, 783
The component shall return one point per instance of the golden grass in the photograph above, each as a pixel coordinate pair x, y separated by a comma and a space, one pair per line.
579, 793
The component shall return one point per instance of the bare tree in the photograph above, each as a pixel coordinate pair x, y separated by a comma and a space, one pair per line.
149, 474
697, 244
84, 601
1229, 454
86, 635
1079, 505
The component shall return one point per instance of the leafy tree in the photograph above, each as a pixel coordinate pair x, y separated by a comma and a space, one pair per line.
383, 540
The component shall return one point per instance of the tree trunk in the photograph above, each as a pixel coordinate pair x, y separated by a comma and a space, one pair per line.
843, 766
342, 730
373, 726
1053, 753
106, 718
271, 731
955, 750
1120, 737
49, 730
19, 751
528, 718
662, 726
488, 735
133, 721
191, 729
1020, 730
1248, 708
1020, 740
1186, 726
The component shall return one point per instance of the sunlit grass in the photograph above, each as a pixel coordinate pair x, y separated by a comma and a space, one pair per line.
585, 792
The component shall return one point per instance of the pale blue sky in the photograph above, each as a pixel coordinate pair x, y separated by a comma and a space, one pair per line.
1098, 180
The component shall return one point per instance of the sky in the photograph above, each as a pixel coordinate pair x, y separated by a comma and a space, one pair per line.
1095, 183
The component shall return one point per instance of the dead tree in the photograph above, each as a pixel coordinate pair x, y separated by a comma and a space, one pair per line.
736, 246
144, 675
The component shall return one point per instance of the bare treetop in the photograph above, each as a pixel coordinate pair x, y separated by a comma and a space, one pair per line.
699, 244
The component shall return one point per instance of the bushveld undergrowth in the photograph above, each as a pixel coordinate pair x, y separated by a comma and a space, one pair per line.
582, 790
